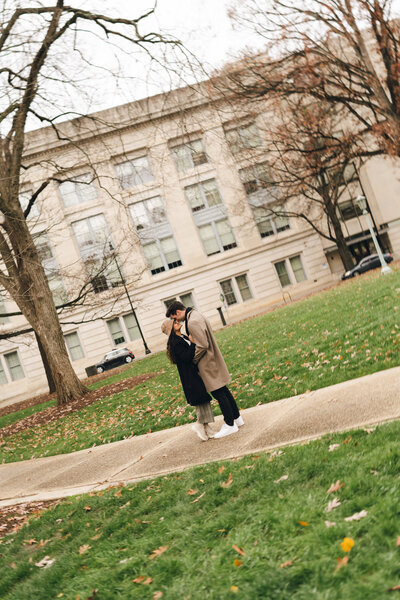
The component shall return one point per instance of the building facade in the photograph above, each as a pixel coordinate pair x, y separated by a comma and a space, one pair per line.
168, 198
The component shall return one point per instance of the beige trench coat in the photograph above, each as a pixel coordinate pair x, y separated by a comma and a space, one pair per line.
212, 367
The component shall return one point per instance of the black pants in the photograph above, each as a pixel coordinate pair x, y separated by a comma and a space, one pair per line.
227, 404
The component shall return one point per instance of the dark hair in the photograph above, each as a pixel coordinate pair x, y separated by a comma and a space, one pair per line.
170, 343
173, 307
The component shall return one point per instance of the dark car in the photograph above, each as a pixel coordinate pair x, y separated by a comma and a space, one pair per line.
366, 264
116, 357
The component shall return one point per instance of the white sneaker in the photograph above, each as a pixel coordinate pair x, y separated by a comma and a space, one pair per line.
199, 429
226, 430
239, 421
210, 433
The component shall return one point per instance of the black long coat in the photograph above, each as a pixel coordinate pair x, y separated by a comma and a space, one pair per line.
193, 386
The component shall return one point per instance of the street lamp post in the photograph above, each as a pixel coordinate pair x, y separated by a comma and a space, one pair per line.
146, 348
362, 204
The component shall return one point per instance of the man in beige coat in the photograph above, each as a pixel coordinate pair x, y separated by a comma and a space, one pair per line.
211, 364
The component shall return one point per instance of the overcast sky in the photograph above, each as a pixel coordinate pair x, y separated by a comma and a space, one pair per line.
202, 25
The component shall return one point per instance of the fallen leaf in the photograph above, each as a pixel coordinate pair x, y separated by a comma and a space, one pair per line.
288, 563
341, 562
234, 589
373, 472
369, 429
347, 544
258, 382
396, 588
228, 482
335, 487
398, 541
45, 562
237, 562
191, 492
333, 447
222, 468
357, 516
329, 524
157, 595
87, 508
143, 580
238, 550
198, 498
158, 552
347, 440
281, 478
84, 548
333, 504
30, 542
303, 523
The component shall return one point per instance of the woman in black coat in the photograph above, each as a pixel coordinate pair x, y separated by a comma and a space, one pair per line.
180, 351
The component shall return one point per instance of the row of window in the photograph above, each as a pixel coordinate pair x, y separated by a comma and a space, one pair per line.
160, 250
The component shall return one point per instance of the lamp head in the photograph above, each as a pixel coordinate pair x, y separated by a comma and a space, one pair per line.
361, 202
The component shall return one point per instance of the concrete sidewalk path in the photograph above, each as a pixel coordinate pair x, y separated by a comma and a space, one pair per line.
365, 401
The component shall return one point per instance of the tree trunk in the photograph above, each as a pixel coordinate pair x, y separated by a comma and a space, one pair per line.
36, 303
343, 249
49, 375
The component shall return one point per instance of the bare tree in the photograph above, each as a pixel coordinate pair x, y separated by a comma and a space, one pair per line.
36, 44
346, 52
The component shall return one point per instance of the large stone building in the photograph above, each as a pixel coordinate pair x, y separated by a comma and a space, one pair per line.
166, 194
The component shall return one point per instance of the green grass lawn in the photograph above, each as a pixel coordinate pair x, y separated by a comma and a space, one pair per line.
339, 334
253, 528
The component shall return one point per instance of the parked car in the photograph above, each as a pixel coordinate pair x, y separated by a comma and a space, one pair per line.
116, 357
366, 264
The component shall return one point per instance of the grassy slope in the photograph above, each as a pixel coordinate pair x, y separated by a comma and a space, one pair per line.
104, 541
346, 332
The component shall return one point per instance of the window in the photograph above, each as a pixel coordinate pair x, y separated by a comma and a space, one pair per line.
186, 299
217, 237
234, 288
24, 198
148, 213
162, 255
77, 191
117, 335
261, 193
134, 172
255, 178
228, 292
290, 271
3, 377
188, 156
243, 137
155, 235
73, 345
97, 251
208, 213
121, 329
348, 210
14, 366
50, 266
131, 326
3, 310
203, 195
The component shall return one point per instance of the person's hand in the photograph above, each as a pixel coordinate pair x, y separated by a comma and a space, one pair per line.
191, 339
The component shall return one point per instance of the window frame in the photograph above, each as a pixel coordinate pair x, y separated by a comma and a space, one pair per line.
70, 333
134, 179
79, 197
8, 371
290, 272
124, 329
189, 155
236, 290
241, 143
